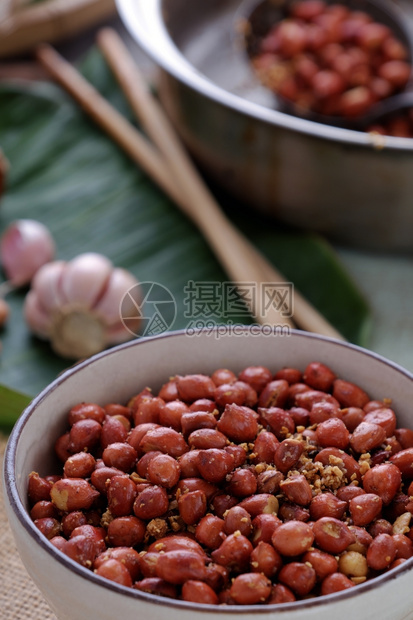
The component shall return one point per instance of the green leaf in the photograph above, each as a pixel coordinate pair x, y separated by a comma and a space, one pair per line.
69, 175
12, 404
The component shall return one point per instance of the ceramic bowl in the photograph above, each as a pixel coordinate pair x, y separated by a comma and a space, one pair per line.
75, 593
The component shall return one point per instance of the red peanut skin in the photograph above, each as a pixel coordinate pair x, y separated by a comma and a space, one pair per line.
250, 589
298, 576
265, 559
155, 585
404, 461
234, 553
323, 563
194, 387
319, 376
115, 571
176, 542
349, 395
297, 489
384, 480
84, 411
238, 423
335, 583
365, 508
256, 376
179, 566
292, 538
199, 592
381, 552
73, 494
332, 535
210, 531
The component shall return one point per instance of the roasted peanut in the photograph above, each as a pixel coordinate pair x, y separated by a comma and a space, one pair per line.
250, 588
234, 552
210, 531
332, 535
243, 483
319, 376
299, 577
164, 471
126, 531
83, 411
323, 563
179, 566
297, 489
292, 538
265, 559
126, 556
170, 414
84, 435
214, 464
193, 387
335, 583
115, 571
205, 438
120, 455
256, 376
155, 585
383, 480
237, 519
192, 506
365, 508
238, 423
381, 552
194, 420
121, 493
165, 440
73, 494
80, 465
327, 505
199, 592
150, 503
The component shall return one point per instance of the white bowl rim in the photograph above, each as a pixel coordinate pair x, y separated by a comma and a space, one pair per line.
26, 522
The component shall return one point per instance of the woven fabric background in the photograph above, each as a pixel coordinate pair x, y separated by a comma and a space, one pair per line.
19, 597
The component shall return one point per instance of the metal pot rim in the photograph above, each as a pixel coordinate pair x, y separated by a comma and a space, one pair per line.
145, 22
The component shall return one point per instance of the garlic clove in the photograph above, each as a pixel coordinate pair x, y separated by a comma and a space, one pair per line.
46, 283
37, 318
25, 246
109, 306
85, 279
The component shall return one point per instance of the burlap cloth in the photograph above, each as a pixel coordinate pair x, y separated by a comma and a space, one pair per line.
19, 597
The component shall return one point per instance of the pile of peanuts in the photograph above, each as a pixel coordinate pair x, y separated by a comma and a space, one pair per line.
331, 60
259, 488
399, 125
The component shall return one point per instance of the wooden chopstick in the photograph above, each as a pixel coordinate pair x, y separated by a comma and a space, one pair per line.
241, 260
105, 115
23, 26
144, 154
203, 204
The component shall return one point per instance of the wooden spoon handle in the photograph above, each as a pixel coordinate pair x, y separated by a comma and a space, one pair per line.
240, 258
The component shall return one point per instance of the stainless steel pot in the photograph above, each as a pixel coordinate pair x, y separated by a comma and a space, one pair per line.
354, 187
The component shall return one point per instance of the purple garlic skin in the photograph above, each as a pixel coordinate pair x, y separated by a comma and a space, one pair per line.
25, 246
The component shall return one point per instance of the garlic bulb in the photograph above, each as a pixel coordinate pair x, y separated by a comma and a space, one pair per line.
76, 305
25, 246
